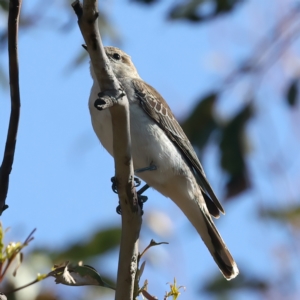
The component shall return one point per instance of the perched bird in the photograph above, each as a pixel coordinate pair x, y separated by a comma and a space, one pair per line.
162, 155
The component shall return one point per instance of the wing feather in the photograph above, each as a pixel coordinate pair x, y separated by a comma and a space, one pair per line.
156, 107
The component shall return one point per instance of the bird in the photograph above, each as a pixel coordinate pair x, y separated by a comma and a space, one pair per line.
162, 154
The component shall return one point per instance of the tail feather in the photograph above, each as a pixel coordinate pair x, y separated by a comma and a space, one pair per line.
219, 251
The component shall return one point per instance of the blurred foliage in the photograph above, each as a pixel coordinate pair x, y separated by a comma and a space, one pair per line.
146, 1
233, 152
218, 286
287, 215
293, 93
200, 126
196, 10
100, 243
201, 123
4, 5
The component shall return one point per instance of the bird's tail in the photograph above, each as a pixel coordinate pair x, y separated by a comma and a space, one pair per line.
218, 249
197, 213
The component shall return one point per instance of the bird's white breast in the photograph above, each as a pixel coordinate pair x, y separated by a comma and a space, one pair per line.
150, 145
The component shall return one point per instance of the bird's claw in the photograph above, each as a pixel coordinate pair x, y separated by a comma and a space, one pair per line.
141, 199
137, 182
114, 185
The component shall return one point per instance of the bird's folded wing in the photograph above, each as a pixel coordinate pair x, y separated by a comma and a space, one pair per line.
157, 108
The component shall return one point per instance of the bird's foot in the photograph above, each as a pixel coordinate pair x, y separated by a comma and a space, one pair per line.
141, 199
137, 182
151, 167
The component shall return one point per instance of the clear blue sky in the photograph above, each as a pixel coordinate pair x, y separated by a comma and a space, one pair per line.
60, 181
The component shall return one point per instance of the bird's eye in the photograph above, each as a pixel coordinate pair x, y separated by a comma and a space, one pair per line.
116, 56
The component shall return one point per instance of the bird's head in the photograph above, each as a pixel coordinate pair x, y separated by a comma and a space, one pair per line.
120, 62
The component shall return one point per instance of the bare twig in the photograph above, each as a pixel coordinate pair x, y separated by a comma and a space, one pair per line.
131, 217
23, 286
9, 152
148, 296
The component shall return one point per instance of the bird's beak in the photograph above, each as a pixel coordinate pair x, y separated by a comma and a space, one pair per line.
85, 47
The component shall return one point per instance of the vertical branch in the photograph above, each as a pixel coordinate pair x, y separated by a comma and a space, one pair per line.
119, 110
9, 152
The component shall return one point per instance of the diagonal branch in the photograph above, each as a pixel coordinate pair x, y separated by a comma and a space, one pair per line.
9, 152
131, 216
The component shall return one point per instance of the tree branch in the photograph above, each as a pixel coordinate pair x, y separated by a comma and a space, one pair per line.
9, 151
124, 175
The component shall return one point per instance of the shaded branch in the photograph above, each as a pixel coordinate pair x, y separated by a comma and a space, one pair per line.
9, 151
124, 175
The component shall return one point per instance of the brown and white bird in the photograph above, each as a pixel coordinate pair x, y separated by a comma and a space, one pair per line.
159, 141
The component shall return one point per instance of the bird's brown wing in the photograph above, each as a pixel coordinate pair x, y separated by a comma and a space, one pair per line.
157, 108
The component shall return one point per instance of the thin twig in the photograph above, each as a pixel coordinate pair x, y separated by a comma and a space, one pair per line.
148, 296
23, 286
9, 152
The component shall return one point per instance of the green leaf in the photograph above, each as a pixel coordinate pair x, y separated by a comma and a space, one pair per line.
292, 93
201, 123
233, 150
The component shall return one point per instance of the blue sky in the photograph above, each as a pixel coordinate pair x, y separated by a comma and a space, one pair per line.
60, 183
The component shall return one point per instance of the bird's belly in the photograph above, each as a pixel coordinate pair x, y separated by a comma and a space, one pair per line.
150, 146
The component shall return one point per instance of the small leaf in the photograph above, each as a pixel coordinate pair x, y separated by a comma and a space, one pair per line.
12, 249
174, 291
292, 93
77, 275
